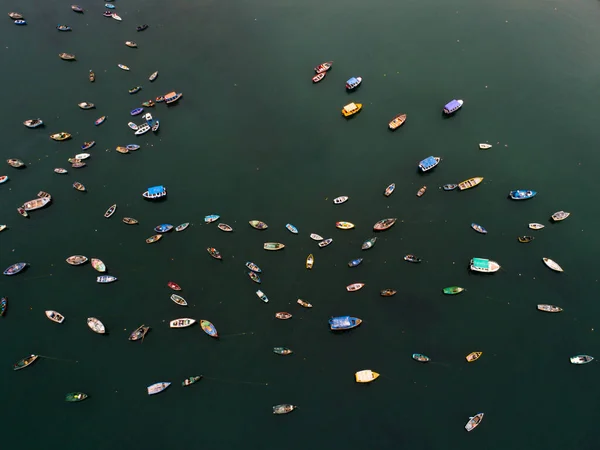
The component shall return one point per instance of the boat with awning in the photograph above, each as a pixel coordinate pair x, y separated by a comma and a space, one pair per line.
429, 163
155, 192
484, 265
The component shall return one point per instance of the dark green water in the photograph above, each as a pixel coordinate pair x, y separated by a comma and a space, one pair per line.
254, 139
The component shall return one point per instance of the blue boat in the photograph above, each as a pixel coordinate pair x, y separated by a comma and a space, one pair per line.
478, 228
344, 322
60, 27
163, 228
155, 192
353, 83
429, 163
87, 145
211, 218
450, 187
106, 279
132, 147
136, 111
355, 262
15, 268
20, 22
109, 6
453, 106
521, 194
291, 228
253, 267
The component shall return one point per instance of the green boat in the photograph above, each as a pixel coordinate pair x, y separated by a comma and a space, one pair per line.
453, 290
273, 246
75, 397
25, 362
282, 350
190, 380
420, 358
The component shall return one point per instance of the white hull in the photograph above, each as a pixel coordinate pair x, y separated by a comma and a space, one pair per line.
182, 323
142, 129
493, 267
55, 316
96, 326
484, 146
552, 265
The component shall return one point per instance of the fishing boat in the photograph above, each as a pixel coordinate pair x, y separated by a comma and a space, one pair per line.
421, 358
552, 265
135, 112
153, 76
421, 191
274, 246
212, 218
340, 200
253, 267
143, 129
60, 170
384, 224
474, 422
104, 279
485, 146
191, 380
62, 136
325, 242
80, 187
155, 126
117, 17
351, 109
174, 286
525, 239
172, 97
353, 83
316, 237
131, 44
163, 228
318, 77
214, 253
282, 351
98, 265
67, 56
484, 265
3, 305
77, 8
365, 376
224, 227
78, 164
389, 190
77, 260
450, 187
20, 22
283, 409
549, 308
43, 194
254, 277
429, 163
522, 194
560, 215
75, 397
536, 226
15, 15
122, 66
355, 287
478, 228
25, 362
581, 359
258, 224
139, 333
122, 150
283, 315
355, 262
92, 76
344, 323
452, 290
291, 228
182, 226
468, 184
154, 238
452, 106
303, 303
182, 323
473, 356
95, 325
209, 328
368, 243
260, 294
132, 147
16, 163
33, 123
412, 258
86, 105
310, 261
99, 120
3, 227
388, 293
155, 192
141, 27
397, 121
157, 387
55, 316
135, 89
344, 225
148, 104
36, 204
110, 211
86, 145
64, 28
159, 99
22, 211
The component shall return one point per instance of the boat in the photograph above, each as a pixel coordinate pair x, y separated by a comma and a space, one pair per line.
478, 228
484, 265
581, 359
429, 163
303, 303
43, 194
182, 226
412, 259
282, 351
143, 129
324, 67
95, 325
116, 17
209, 328
560, 215
154, 238
105, 279
344, 323
368, 243
450, 187
388, 293
92, 76
78, 164
182, 323
212, 218
153, 76
191, 380
139, 333
33, 123
22, 211
355, 262
365, 376
77, 260
389, 190
55, 316
98, 265
15, 15
291, 228
3, 305
16, 163
141, 27
485, 146
340, 200
397, 121
3, 227
473, 356
86, 145
260, 294
353, 83
159, 99
163, 228
214, 253
274, 246
157, 387
110, 211
77, 8
99, 120
384, 224
325, 242
318, 77
283, 315
36, 204
64, 28
283, 409
316, 237
67, 56
258, 225
132, 125
174, 286
155, 192
148, 104
123, 67
525, 239
310, 261
253, 267
60, 170
80, 187
536, 226
172, 97
452, 106
135, 89
355, 287
135, 112
62, 136
75, 397
131, 44
224, 227
344, 225
452, 290
421, 191
132, 147
20, 22
421, 358
130, 221
254, 277
468, 184
521, 194
549, 308
155, 126
474, 422
25, 362
552, 265
351, 109
86, 105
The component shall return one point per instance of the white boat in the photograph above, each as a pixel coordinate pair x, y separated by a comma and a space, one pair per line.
485, 146
260, 294
95, 325
122, 66
178, 299
355, 287
55, 316
484, 265
536, 226
553, 265
365, 376
182, 323
86, 105
316, 237
144, 128
560, 215
158, 387
153, 76
340, 200
132, 125
325, 243
549, 308
581, 359
116, 16
36, 204
474, 422
148, 118
82, 156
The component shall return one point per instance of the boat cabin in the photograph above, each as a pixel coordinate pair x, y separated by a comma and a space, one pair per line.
484, 265
353, 83
172, 97
429, 163
351, 108
452, 106
155, 192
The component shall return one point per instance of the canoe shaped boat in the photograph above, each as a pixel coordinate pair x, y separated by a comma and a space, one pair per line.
303, 303
121, 149
388, 292
130, 44
581, 359
67, 56
110, 211
75, 397
310, 261
214, 253
282, 351
384, 224
260, 294
470, 183
55, 316
283, 409
473, 356
130, 221
99, 120
153, 76
135, 89
132, 147
85, 146
283, 315
96, 326
62, 136
316, 237
25, 362
15, 268
485, 146
122, 66
135, 112
148, 104
33, 123
449, 187
158, 387
117, 17
141, 27
474, 422
86, 105
182, 323
421, 358
60, 170
552, 265
525, 239
179, 300
325, 242
3, 227
15, 15
16, 163
324, 67
522, 194
106, 279
77, 260
453, 290
174, 286
397, 121
340, 200
368, 243
153, 239
354, 287
92, 76
421, 191
253, 267
139, 333
365, 376
254, 277
389, 190
560, 215
211, 218
182, 226
291, 228
259, 225
273, 246
549, 308
344, 323
98, 265
478, 228
536, 226
3, 305
224, 227
209, 328
163, 228
63, 28
77, 8
80, 187
22, 211
318, 77
355, 262
191, 380
344, 225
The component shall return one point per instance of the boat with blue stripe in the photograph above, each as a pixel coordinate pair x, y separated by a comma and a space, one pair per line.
344, 323
355, 262
429, 163
478, 228
163, 228
453, 106
521, 194
291, 228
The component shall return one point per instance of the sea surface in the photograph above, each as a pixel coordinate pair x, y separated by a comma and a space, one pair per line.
253, 138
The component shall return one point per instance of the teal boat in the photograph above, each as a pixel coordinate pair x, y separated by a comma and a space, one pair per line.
191, 380
75, 397
452, 290
282, 350
25, 362
369, 243
420, 358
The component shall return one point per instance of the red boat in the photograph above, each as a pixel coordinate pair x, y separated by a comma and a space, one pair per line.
174, 286
22, 211
324, 67
318, 77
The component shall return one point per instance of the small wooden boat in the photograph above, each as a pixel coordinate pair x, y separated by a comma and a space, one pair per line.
116, 17
552, 265
22, 211
351, 108
25, 362
282, 351
388, 293
159, 99
253, 267
98, 265
485, 146
92, 76
355, 287
343, 323
60, 170
536, 226
86, 145
148, 104
260, 294
525, 239
110, 211
104, 279
273, 246
33, 123
99, 120
77, 8
421, 191
283, 315
154, 238
254, 277
86, 105
581, 359
473, 356
179, 300
324, 67
78, 165
365, 376
3, 305
474, 422
421, 358
549, 308
450, 187
344, 225
211, 218
303, 303
478, 228
182, 323
130, 44
16, 163
174, 286
191, 380
182, 226
139, 333
158, 387
36, 204
77, 260
355, 262
522, 194
389, 190
258, 225
96, 326
75, 397
43, 194
64, 28
122, 66
130, 221
316, 237
310, 261
368, 243
560, 215
214, 253
325, 242
452, 290
224, 227
468, 184
153, 76
15, 15
155, 126
484, 265
397, 121
412, 259
340, 200
141, 27
384, 224
291, 228
62, 136
80, 187
135, 89
163, 228
67, 56
121, 149
283, 409
132, 147
318, 77
55, 316
209, 328
3, 227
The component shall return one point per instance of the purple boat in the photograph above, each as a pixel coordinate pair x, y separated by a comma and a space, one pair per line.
136, 111
453, 106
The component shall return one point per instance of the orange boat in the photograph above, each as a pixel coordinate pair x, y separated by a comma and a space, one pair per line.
397, 121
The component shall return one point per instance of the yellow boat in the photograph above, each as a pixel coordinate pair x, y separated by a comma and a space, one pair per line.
344, 225
310, 260
468, 184
351, 108
473, 356
365, 376
62, 136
